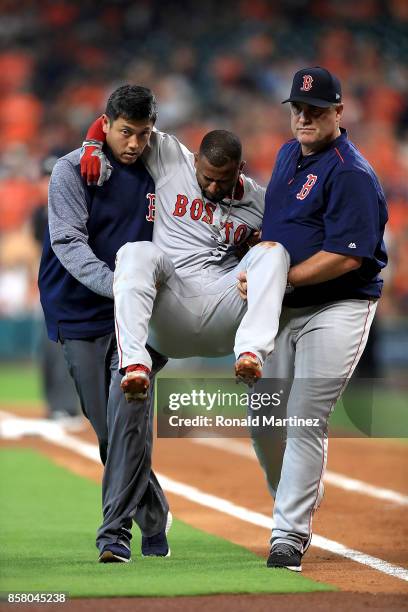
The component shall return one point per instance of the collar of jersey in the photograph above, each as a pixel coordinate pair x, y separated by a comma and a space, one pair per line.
332, 145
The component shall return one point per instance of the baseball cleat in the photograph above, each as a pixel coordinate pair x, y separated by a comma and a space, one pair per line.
157, 545
285, 556
136, 382
114, 553
248, 369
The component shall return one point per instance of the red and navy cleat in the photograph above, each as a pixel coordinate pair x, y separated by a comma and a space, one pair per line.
135, 383
248, 369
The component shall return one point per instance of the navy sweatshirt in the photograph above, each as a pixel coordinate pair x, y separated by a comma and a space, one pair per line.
87, 226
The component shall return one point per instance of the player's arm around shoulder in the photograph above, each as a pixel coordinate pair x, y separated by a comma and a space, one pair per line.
164, 155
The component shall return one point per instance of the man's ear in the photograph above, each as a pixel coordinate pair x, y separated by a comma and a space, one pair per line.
339, 112
242, 165
105, 123
195, 159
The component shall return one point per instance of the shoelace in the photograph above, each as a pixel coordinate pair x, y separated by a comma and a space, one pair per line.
283, 549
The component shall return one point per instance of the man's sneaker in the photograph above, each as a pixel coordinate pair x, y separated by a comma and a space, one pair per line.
157, 545
136, 382
285, 555
114, 553
248, 369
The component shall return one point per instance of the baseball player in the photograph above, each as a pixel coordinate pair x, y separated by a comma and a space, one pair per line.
324, 203
184, 282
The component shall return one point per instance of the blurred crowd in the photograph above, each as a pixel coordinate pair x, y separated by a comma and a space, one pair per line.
211, 64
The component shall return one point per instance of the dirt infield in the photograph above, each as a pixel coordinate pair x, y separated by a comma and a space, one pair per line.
375, 527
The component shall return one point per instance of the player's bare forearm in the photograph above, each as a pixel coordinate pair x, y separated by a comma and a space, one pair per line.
321, 267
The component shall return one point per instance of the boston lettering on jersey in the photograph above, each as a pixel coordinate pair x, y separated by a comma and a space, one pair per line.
198, 210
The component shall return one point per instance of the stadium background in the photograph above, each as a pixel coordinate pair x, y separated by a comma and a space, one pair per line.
211, 64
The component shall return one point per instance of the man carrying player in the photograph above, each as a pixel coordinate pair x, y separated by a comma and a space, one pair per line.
332, 224
87, 226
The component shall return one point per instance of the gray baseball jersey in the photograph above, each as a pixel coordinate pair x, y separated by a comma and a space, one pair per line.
195, 233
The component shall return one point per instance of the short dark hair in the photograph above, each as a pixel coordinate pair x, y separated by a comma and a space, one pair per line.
132, 102
220, 147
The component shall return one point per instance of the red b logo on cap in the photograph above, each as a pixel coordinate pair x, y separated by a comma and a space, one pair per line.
307, 82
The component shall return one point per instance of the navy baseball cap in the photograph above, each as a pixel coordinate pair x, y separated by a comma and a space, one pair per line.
316, 86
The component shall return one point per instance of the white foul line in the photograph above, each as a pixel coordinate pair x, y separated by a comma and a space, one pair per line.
262, 520
12, 427
334, 478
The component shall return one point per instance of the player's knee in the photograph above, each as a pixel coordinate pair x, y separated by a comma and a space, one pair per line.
134, 248
269, 244
137, 252
275, 249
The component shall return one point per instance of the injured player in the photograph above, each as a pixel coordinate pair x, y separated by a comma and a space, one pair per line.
179, 293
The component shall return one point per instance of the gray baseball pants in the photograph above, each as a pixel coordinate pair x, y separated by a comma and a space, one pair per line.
130, 489
317, 348
196, 315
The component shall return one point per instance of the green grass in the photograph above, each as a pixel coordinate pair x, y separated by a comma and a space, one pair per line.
20, 385
48, 520
379, 414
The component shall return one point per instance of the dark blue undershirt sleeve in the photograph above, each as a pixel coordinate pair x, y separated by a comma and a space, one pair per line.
351, 220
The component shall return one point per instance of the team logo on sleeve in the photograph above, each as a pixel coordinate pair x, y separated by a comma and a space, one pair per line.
311, 180
307, 82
